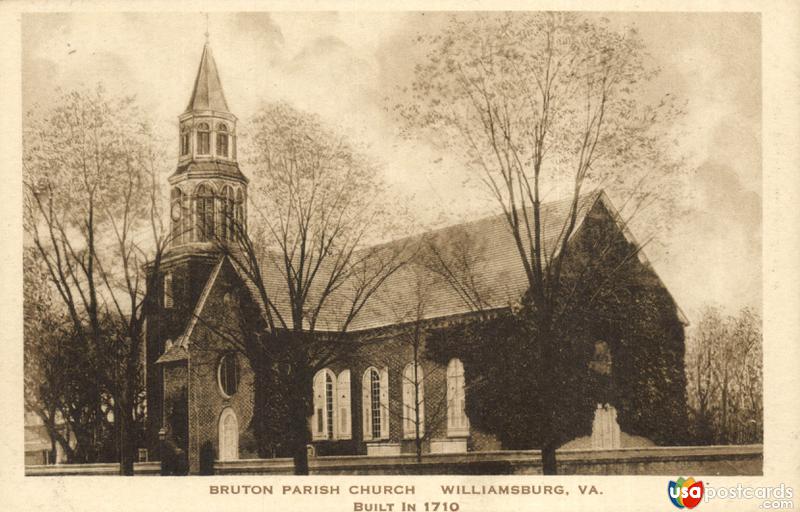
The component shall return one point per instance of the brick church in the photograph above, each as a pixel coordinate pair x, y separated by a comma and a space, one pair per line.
364, 407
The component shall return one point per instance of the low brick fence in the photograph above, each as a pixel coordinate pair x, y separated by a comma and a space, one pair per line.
693, 460
696, 460
101, 469
671, 461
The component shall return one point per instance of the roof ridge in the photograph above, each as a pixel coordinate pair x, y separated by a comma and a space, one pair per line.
596, 192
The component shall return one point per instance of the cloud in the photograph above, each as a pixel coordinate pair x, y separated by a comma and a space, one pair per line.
261, 25
343, 66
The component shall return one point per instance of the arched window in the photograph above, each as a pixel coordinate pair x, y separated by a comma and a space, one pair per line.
457, 421
228, 435
204, 213
330, 396
203, 139
226, 220
375, 403
186, 218
168, 302
176, 214
228, 374
331, 418
413, 400
222, 140
239, 217
184, 140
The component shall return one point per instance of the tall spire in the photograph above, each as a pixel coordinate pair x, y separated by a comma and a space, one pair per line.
209, 191
207, 93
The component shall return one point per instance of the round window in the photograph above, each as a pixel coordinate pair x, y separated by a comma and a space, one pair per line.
228, 374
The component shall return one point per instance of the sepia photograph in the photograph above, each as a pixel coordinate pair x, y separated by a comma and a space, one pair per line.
370, 257
392, 243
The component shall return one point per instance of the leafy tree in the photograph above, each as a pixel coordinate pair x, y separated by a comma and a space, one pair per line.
52, 368
547, 103
92, 216
422, 408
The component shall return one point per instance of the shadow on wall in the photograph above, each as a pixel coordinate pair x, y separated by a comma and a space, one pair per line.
207, 456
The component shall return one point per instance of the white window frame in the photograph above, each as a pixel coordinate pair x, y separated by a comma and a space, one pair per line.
169, 303
383, 401
411, 401
457, 420
208, 132
320, 420
222, 129
344, 420
237, 370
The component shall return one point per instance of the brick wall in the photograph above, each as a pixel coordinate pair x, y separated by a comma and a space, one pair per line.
219, 322
395, 352
175, 383
190, 274
669, 461
209, 342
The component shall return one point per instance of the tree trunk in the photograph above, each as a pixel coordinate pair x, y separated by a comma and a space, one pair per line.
127, 443
300, 459
549, 444
549, 465
53, 451
56, 439
299, 418
299, 436
724, 431
417, 437
128, 456
546, 383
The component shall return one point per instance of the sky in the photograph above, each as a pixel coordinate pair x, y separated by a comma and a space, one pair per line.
344, 66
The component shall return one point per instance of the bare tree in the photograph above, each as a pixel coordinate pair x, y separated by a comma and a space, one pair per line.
546, 104
422, 408
317, 207
92, 214
724, 366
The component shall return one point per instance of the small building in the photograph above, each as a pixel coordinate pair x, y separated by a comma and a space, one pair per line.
39, 446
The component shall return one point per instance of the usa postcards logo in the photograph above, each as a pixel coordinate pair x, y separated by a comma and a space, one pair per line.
685, 493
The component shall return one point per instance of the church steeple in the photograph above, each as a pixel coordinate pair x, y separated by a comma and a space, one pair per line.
209, 190
207, 93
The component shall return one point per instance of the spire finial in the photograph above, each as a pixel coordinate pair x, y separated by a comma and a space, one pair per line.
207, 34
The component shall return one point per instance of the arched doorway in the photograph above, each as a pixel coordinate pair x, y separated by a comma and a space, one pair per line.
228, 435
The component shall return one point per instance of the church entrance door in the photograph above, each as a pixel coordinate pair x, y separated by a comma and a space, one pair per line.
228, 435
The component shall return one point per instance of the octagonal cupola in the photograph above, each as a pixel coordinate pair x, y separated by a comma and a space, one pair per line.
207, 127
208, 190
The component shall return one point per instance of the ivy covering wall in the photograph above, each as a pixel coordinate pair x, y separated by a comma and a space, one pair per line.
612, 304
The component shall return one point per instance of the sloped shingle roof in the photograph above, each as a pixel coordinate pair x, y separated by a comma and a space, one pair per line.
177, 351
494, 264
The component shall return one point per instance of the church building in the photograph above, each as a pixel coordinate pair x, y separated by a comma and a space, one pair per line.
200, 391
